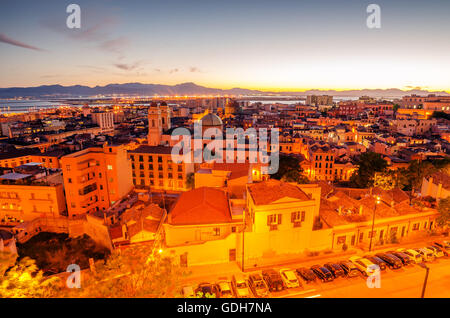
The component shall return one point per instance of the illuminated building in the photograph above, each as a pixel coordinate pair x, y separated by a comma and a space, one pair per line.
95, 178
152, 167
31, 192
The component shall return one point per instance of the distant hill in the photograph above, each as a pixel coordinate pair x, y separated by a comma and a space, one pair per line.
133, 89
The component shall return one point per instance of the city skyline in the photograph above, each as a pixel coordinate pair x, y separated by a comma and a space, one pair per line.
283, 46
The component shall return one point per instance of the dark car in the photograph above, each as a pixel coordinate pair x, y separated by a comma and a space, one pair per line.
207, 289
406, 260
392, 261
377, 261
322, 273
335, 269
258, 285
442, 248
273, 280
350, 269
307, 274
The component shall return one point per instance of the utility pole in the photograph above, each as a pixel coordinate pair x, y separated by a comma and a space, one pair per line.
373, 221
426, 278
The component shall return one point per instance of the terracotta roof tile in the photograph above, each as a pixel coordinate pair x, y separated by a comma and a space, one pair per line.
272, 190
201, 206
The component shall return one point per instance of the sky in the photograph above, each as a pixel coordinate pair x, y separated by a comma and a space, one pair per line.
280, 45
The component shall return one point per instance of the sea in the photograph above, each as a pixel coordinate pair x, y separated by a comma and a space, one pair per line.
26, 105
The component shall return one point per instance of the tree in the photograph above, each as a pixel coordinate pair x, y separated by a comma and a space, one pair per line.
190, 180
391, 179
24, 280
368, 164
395, 107
289, 170
133, 272
417, 170
443, 219
294, 176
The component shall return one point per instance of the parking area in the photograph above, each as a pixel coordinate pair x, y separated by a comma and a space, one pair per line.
394, 281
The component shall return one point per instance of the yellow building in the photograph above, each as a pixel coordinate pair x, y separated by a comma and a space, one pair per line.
24, 198
95, 178
152, 167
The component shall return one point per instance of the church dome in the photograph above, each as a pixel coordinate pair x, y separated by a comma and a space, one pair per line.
211, 120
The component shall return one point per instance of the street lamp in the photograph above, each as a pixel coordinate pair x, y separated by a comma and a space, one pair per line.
426, 278
378, 200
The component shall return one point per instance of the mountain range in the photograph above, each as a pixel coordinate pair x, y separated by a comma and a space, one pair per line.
190, 89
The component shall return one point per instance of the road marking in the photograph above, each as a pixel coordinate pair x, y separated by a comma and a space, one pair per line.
299, 293
314, 296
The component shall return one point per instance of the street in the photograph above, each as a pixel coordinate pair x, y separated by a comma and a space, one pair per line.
406, 282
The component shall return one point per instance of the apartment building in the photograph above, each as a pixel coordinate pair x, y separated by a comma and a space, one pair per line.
30, 192
96, 178
152, 167
105, 120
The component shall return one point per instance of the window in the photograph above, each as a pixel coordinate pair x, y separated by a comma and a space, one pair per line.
341, 239
110, 167
216, 231
415, 226
69, 180
273, 220
372, 234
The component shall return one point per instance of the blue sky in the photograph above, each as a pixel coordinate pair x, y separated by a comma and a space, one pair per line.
276, 45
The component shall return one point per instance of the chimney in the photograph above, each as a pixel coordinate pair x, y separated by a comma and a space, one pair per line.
360, 210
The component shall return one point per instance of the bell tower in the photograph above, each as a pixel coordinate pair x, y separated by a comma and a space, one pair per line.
165, 116
154, 125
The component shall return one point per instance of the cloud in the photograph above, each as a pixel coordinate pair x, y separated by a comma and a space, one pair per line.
128, 67
115, 45
174, 70
8, 40
194, 69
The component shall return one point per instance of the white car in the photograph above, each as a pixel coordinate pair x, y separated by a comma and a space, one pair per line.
413, 254
289, 278
225, 289
426, 254
240, 286
364, 265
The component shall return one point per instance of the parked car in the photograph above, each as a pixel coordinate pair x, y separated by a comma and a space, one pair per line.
225, 289
240, 286
322, 273
188, 292
442, 248
436, 251
377, 261
392, 261
426, 254
258, 285
335, 269
289, 278
273, 280
350, 269
441, 245
406, 260
207, 289
306, 274
415, 256
365, 266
